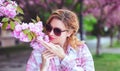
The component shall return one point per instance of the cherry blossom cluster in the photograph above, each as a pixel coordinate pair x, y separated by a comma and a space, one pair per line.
30, 32
25, 32
8, 8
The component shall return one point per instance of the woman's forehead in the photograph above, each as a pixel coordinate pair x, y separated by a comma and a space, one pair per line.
57, 23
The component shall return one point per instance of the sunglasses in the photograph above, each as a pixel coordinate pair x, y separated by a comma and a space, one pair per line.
57, 31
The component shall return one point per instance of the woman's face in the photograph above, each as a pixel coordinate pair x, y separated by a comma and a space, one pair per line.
54, 35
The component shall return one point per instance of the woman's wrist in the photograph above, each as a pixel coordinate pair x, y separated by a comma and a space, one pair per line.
62, 57
43, 69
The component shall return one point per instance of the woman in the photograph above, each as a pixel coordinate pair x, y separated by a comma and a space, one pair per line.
64, 52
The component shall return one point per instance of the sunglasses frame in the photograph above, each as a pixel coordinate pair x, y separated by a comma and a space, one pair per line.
57, 31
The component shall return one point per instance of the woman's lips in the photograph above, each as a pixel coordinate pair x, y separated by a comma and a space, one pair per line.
51, 38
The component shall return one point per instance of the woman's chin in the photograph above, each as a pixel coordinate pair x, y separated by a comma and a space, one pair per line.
53, 42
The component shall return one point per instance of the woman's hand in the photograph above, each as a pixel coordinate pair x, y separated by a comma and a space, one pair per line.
46, 56
55, 49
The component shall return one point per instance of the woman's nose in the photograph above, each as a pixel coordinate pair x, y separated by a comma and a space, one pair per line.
51, 33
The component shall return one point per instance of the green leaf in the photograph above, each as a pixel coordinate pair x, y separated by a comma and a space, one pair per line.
33, 35
12, 25
29, 36
34, 21
19, 10
5, 19
38, 18
26, 31
4, 25
17, 19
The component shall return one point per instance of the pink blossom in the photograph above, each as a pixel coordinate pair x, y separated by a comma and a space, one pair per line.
46, 38
36, 28
0, 24
1, 11
39, 24
39, 38
24, 26
18, 27
8, 9
16, 34
37, 46
23, 37
32, 26
41, 34
1, 2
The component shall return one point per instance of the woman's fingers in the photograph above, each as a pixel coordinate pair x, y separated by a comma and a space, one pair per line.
50, 46
45, 44
54, 49
47, 54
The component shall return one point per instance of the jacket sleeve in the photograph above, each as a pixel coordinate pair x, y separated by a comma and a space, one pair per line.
34, 61
83, 61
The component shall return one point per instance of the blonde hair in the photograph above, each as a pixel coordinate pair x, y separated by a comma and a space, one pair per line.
70, 21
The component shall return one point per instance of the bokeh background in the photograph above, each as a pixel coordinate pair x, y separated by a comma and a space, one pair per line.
99, 28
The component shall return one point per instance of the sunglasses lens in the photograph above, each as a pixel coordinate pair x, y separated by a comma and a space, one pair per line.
48, 28
57, 31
